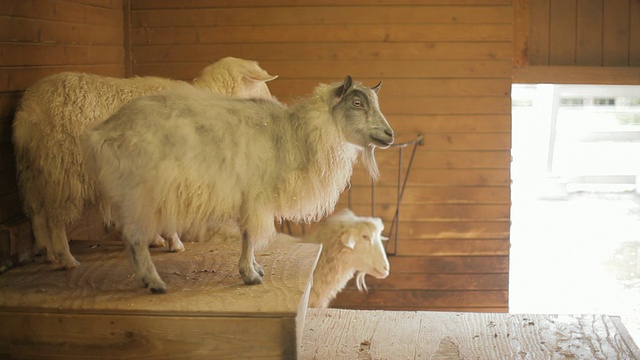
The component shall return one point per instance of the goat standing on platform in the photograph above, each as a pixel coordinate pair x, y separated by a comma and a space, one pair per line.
58, 110
186, 160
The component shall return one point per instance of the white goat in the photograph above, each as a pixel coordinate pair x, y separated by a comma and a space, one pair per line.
54, 114
351, 245
248, 161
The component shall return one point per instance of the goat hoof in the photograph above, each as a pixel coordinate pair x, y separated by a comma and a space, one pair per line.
259, 269
157, 287
256, 279
176, 247
70, 264
158, 290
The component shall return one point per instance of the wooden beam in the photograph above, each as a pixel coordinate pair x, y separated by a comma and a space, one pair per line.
577, 75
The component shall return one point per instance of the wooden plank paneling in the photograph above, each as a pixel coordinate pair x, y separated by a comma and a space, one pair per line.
66, 11
407, 51
616, 33
416, 299
562, 32
634, 34
589, 32
323, 33
583, 33
39, 38
215, 15
578, 75
450, 264
24, 30
323, 70
194, 4
63, 55
539, 32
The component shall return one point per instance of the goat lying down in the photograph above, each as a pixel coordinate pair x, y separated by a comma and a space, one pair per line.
248, 161
351, 245
58, 110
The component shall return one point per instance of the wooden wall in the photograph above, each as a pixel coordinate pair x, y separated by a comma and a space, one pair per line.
41, 37
585, 32
446, 67
577, 42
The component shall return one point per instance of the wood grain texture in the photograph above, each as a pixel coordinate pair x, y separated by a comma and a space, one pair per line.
99, 310
347, 334
616, 33
446, 68
39, 38
584, 33
589, 17
578, 75
562, 32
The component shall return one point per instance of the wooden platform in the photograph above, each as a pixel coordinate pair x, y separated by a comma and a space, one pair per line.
100, 311
359, 334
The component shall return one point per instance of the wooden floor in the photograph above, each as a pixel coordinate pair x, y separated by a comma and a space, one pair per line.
100, 311
359, 334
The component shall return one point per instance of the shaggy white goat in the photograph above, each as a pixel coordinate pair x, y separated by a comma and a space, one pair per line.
56, 111
351, 245
248, 161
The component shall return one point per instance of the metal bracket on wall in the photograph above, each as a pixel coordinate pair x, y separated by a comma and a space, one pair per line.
402, 184
393, 232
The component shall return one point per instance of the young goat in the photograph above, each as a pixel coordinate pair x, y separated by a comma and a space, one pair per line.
58, 110
248, 161
351, 245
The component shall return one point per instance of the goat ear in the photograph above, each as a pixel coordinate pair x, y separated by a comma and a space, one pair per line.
259, 76
377, 87
384, 238
348, 240
346, 85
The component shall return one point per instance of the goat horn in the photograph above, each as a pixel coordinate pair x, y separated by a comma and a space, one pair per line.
377, 87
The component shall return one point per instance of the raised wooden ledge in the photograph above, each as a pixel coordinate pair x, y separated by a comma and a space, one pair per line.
359, 334
100, 311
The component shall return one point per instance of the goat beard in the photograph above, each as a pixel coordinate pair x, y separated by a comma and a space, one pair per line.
360, 283
369, 160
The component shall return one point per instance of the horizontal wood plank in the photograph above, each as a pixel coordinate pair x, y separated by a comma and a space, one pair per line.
152, 4
588, 75
426, 211
67, 11
18, 79
349, 33
48, 55
21, 30
301, 51
432, 299
174, 63
291, 88
309, 15
439, 194
454, 246
400, 281
347, 334
419, 176
449, 264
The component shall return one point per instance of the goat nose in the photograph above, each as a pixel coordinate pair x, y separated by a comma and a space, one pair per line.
389, 132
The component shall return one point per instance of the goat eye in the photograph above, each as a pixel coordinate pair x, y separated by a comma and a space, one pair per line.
357, 103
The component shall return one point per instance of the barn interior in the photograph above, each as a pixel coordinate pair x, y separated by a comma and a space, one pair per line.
466, 258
